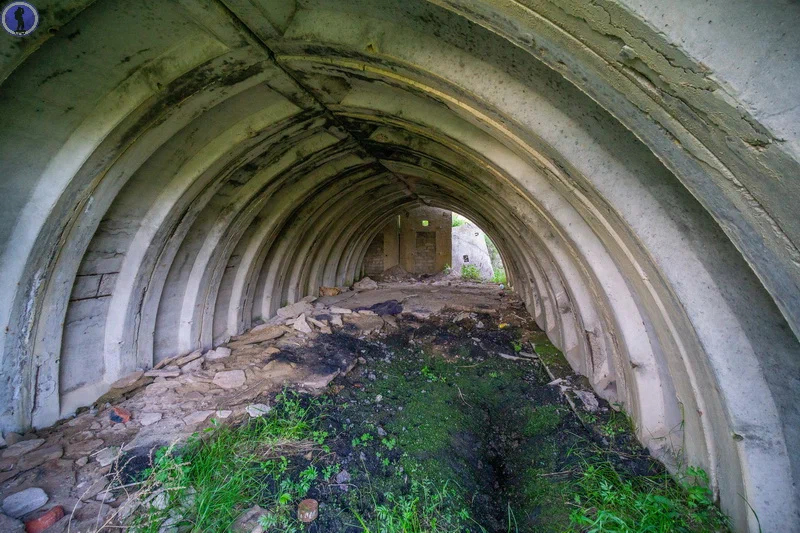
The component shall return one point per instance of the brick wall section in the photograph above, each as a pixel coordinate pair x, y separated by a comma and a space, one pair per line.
373, 259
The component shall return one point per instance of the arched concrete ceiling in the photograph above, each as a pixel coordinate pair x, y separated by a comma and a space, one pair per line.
173, 171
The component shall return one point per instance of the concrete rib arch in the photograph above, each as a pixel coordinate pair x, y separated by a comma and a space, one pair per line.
168, 183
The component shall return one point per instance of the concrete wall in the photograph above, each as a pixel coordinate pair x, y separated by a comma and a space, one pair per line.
425, 249
174, 170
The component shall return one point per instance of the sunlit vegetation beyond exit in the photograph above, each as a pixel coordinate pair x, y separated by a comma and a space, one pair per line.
497, 262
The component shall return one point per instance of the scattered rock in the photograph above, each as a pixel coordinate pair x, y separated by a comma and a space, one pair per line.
263, 333
270, 350
329, 291
318, 323
256, 410
24, 502
127, 381
108, 455
307, 511
337, 321
294, 310
248, 522
147, 419
170, 525
39, 457
119, 415
83, 448
588, 399
188, 358
10, 525
223, 414
366, 323
320, 381
37, 525
12, 438
162, 373
340, 311
193, 366
21, 448
166, 362
221, 352
390, 321
160, 501
301, 325
366, 284
230, 379
105, 496
197, 417
381, 432
343, 479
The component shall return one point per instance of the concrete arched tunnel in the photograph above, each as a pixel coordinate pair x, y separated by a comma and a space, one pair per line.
172, 171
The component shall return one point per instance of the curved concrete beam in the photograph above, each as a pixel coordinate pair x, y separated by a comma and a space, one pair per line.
168, 183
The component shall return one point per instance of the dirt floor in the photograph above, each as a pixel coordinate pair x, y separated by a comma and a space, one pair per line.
432, 403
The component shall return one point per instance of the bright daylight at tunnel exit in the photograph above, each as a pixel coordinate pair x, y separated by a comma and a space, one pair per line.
400, 266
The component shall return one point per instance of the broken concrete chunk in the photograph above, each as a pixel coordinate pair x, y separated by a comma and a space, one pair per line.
21, 503
301, 325
294, 310
256, 410
147, 419
221, 352
197, 417
588, 399
318, 323
248, 522
106, 456
193, 366
188, 358
39, 457
366, 323
320, 381
83, 448
230, 379
21, 448
13, 438
162, 373
365, 284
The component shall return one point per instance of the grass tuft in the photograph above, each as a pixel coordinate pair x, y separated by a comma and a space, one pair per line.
470, 273
608, 502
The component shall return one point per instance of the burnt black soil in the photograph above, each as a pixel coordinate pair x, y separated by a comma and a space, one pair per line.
435, 405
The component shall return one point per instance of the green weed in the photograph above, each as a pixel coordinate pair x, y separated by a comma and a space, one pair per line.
607, 502
499, 276
470, 273
211, 480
